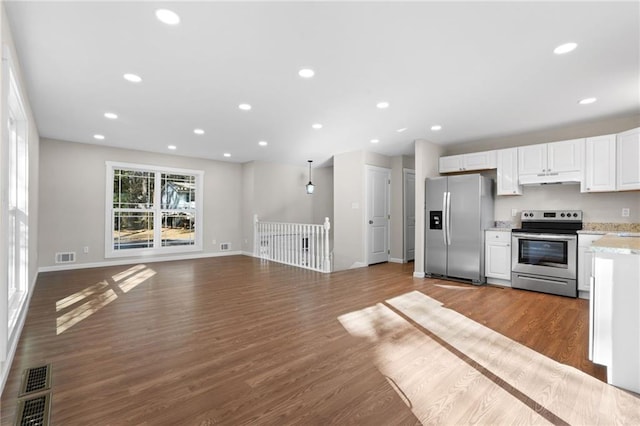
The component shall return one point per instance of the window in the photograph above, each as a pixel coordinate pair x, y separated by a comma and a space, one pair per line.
152, 210
17, 212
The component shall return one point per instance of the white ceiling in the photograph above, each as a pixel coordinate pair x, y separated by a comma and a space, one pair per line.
479, 69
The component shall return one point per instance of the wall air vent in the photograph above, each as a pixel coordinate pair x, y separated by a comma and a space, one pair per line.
66, 257
225, 246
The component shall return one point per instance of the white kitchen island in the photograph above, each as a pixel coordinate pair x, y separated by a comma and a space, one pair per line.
615, 309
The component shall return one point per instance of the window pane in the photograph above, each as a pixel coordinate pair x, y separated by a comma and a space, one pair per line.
132, 230
178, 229
132, 189
178, 191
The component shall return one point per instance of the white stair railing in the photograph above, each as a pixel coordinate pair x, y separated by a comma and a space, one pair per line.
297, 244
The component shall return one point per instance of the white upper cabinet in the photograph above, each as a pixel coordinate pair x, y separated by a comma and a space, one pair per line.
507, 174
599, 164
566, 156
467, 162
628, 148
452, 163
532, 159
551, 162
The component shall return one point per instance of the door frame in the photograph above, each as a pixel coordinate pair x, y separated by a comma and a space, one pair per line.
406, 172
367, 250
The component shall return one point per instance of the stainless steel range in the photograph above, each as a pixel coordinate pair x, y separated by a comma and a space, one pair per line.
545, 251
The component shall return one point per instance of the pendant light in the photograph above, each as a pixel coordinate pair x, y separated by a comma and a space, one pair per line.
310, 186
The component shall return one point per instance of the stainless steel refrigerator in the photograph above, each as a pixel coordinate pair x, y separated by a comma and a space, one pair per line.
458, 210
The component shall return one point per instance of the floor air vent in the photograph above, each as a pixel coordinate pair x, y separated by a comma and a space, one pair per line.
34, 411
35, 379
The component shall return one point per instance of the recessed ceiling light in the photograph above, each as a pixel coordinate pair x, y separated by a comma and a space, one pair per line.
382, 105
587, 101
111, 115
565, 48
317, 126
226, 154
198, 131
99, 137
244, 107
436, 127
167, 16
306, 73
172, 147
263, 143
401, 130
375, 140
134, 78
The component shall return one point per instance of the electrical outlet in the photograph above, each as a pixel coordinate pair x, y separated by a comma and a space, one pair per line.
213, 241
85, 249
514, 212
625, 212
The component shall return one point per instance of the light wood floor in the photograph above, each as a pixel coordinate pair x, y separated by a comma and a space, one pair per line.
237, 340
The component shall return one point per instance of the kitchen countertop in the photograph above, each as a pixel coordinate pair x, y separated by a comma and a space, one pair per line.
499, 229
621, 243
592, 232
607, 227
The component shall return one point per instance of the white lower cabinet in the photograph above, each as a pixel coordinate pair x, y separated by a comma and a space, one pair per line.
497, 257
614, 318
585, 262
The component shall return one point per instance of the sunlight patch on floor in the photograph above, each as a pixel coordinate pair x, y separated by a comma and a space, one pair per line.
450, 369
80, 295
98, 295
71, 318
455, 287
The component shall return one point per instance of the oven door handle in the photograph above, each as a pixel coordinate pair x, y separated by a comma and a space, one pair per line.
545, 237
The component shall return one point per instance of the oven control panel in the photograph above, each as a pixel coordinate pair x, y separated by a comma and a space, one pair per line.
551, 215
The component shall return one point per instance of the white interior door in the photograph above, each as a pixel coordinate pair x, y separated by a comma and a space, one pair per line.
378, 209
409, 200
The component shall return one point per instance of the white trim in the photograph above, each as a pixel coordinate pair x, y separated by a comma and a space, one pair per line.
418, 275
406, 172
17, 332
396, 260
132, 261
248, 253
499, 281
358, 265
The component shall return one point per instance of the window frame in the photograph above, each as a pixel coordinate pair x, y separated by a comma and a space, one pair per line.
111, 252
17, 210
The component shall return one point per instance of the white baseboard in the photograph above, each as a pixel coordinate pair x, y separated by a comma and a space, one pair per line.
248, 253
358, 265
6, 364
499, 281
418, 275
131, 261
396, 260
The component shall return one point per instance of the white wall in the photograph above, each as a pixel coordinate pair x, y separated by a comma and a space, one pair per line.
276, 193
427, 155
348, 210
72, 198
604, 207
323, 195
33, 139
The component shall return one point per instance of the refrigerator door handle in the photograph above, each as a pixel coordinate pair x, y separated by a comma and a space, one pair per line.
448, 218
444, 217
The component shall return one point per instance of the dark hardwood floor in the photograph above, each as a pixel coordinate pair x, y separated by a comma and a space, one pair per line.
237, 340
